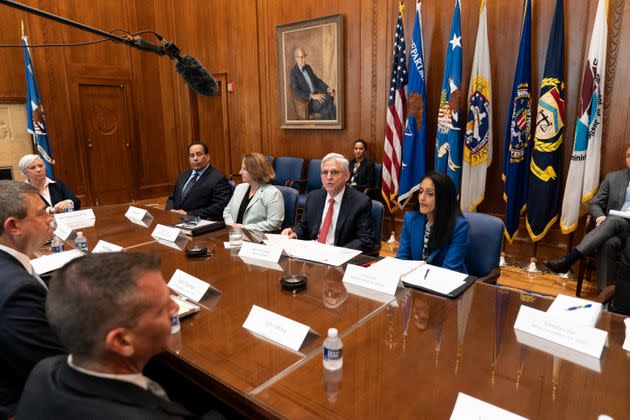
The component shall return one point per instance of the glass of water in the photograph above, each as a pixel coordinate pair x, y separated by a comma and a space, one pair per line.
236, 238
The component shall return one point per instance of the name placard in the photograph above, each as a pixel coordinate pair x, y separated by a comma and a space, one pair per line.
166, 233
581, 338
277, 328
135, 213
376, 280
104, 246
187, 285
260, 252
76, 219
62, 232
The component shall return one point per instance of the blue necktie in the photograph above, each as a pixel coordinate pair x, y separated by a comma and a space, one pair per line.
189, 185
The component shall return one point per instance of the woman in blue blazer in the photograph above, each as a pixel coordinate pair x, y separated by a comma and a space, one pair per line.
255, 205
438, 233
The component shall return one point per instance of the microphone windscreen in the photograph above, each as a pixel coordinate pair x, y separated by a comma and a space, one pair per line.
196, 75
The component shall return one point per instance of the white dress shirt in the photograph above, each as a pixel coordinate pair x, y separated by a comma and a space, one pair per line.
330, 238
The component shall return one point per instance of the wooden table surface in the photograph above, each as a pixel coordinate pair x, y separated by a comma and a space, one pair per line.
408, 358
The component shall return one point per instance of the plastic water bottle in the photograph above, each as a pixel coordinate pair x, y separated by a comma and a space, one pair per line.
80, 242
333, 351
56, 245
69, 207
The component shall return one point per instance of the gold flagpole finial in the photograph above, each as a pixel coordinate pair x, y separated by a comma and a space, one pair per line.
401, 7
22, 23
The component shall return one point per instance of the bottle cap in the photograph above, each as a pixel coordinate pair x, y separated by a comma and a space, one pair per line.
80, 233
332, 332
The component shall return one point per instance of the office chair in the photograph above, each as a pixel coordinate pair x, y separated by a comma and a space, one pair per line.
484, 250
290, 197
287, 169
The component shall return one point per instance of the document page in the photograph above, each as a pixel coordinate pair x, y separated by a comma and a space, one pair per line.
438, 279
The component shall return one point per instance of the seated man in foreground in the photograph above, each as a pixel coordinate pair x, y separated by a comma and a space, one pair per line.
201, 191
336, 214
113, 312
25, 336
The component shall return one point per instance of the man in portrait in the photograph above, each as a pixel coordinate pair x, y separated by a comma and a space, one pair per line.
310, 89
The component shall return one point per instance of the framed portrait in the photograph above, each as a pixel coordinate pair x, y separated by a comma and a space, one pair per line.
311, 73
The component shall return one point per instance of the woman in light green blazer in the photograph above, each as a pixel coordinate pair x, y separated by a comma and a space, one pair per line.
255, 205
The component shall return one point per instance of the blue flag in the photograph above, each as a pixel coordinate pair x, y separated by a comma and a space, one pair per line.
414, 140
518, 132
36, 121
546, 161
452, 113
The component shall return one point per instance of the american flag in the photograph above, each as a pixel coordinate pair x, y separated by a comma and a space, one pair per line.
396, 116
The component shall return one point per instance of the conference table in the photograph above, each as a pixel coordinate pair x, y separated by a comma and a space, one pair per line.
405, 357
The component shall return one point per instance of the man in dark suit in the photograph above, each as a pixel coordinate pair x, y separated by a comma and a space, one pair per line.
202, 191
610, 233
336, 215
309, 88
25, 336
113, 312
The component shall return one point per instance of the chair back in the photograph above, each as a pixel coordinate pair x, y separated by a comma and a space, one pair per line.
313, 177
378, 175
287, 168
290, 196
378, 214
232, 186
270, 160
484, 250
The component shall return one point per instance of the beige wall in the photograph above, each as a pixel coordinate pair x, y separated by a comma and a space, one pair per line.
15, 141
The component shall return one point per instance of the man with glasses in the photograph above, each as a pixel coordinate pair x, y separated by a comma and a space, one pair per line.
309, 88
336, 215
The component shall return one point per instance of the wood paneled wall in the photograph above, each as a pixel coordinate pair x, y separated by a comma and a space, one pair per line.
235, 40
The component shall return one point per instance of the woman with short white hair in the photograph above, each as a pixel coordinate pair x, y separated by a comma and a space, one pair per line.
55, 194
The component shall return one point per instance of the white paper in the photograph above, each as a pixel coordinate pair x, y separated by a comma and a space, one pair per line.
260, 252
624, 214
395, 266
467, 407
54, 261
276, 328
370, 294
438, 279
104, 246
626, 343
576, 310
377, 280
166, 233
62, 232
580, 338
76, 219
187, 285
317, 252
135, 213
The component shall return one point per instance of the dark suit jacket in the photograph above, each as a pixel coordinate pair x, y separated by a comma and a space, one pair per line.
354, 223
451, 256
365, 175
206, 199
300, 88
59, 192
611, 193
57, 391
25, 336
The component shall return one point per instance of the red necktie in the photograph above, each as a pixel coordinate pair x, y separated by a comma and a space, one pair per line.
327, 222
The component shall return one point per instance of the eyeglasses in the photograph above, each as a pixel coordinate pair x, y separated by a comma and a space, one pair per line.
334, 173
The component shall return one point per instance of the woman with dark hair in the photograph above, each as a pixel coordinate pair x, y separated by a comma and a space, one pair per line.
438, 233
361, 169
255, 204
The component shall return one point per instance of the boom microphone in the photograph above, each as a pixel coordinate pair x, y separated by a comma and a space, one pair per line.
196, 75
